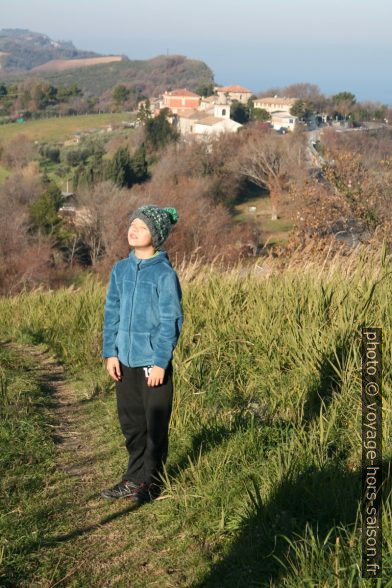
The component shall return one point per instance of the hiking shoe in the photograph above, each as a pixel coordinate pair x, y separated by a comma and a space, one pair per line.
123, 489
155, 490
146, 492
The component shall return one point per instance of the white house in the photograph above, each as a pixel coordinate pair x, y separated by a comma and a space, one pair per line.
283, 119
213, 121
275, 103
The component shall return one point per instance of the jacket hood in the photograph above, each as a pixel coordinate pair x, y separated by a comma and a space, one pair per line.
161, 257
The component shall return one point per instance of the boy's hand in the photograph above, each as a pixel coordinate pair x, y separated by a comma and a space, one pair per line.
156, 376
113, 367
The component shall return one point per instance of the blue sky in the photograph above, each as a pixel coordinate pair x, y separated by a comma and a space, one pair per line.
339, 44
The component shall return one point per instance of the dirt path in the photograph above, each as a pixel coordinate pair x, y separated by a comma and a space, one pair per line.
95, 542
67, 411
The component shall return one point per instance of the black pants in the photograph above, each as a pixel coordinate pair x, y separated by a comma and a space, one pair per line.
144, 415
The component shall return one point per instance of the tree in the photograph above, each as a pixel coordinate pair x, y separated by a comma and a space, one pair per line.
303, 109
205, 90
344, 97
139, 164
260, 114
381, 112
239, 112
17, 152
158, 130
64, 93
344, 103
359, 187
120, 169
144, 112
44, 210
268, 160
120, 94
76, 156
303, 91
257, 113
50, 152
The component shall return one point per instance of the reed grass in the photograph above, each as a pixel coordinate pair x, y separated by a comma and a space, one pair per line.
264, 473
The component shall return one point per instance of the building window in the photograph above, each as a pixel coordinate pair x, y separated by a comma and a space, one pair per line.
223, 111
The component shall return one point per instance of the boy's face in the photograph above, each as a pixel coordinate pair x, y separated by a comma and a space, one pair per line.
139, 234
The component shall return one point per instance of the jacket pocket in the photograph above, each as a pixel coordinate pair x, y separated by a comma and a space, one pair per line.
141, 347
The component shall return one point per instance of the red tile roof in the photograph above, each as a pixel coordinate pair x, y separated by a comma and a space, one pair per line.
182, 92
235, 88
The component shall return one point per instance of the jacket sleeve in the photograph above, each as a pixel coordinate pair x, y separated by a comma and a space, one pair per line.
171, 318
111, 317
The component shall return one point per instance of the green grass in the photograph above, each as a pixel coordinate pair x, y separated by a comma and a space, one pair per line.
31, 512
61, 128
4, 173
263, 477
273, 231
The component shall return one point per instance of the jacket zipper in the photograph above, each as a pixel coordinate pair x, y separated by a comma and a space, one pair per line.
133, 293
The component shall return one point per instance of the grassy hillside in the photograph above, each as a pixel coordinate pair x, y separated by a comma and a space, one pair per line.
263, 477
151, 76
275, 231
62, 127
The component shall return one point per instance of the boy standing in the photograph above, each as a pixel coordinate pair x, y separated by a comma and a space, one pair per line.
142, 322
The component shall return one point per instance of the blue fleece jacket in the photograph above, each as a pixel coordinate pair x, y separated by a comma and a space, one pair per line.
143, 311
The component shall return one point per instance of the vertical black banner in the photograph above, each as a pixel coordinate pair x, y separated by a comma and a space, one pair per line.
371, 452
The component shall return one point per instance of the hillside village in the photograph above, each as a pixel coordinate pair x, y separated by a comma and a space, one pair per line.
201, 116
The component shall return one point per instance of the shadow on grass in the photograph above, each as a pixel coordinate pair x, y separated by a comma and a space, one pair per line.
323, 499
329, 383
248, 191
210, 437
12, 576
80, 531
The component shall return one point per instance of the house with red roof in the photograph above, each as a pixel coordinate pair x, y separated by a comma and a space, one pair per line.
235, 92
181, 100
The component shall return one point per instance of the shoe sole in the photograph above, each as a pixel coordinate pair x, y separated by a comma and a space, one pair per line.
133, 497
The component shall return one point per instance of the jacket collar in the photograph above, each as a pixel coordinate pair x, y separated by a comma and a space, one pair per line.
161, 256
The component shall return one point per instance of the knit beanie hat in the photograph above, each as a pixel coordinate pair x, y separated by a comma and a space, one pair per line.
159, 221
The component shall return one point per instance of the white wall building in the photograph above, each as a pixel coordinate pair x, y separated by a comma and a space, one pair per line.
213, 121
275, 103
283, 120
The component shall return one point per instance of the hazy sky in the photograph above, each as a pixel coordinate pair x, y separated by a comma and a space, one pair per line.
339, 44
